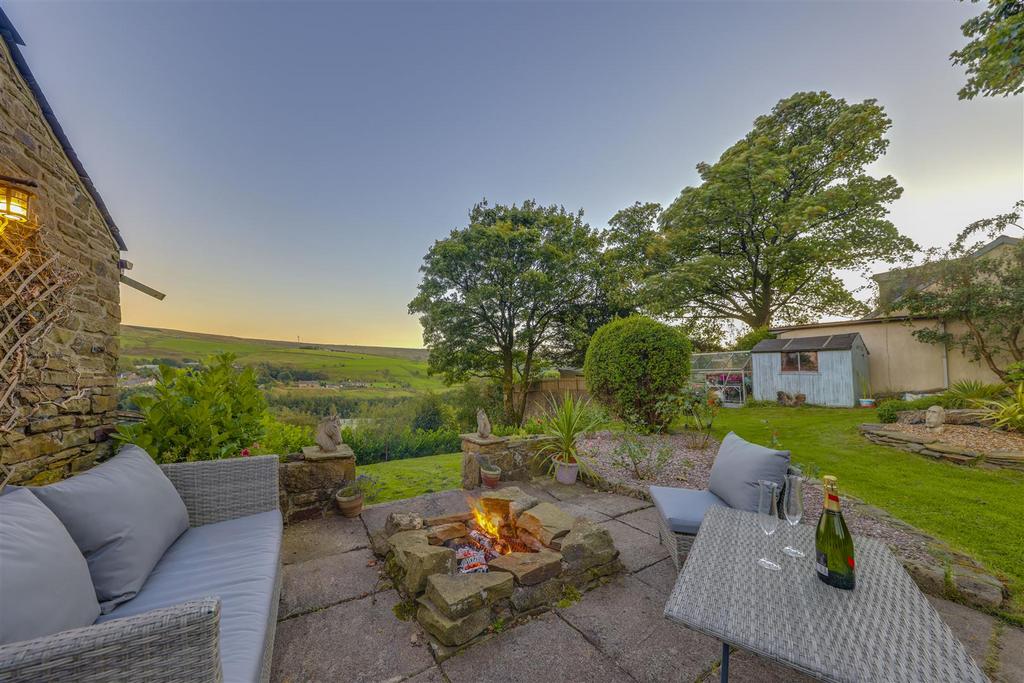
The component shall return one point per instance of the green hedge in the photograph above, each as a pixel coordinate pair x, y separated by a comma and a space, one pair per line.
887, 409
374, 445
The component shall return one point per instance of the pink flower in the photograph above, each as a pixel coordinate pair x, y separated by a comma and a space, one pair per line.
246, 453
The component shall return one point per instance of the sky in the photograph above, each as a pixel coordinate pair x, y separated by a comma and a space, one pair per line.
279, 169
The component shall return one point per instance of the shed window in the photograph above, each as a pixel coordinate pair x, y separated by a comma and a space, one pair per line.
800, 361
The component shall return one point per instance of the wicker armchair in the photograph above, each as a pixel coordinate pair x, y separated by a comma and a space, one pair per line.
179, 643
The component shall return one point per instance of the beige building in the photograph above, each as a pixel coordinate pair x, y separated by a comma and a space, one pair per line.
897, 361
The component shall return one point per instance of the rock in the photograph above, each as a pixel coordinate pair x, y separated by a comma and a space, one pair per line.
470, 470
583, 580
379, 543
418, 559
586, 546
402, 521
952, 450
436, 535
525, 598
931, 579
511, 500
977, 588
547, 522
459, 594
935, 419
452, 632
529, 568
448, 519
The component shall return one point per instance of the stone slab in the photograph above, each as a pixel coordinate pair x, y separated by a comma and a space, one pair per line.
1011, 655
402, 521
547, 522
611, 504
437, 504
452, 632
313, 453
478, 440
972, 628
322, 537
343, 643
624, 619
325, 581
661, 576
508, 500
436, 535
645, 520
457, 595
637, 549
431, 675
418, 559
529, 568
747, 667
545, 649
586, 546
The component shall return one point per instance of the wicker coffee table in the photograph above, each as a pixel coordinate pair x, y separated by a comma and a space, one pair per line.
884, 630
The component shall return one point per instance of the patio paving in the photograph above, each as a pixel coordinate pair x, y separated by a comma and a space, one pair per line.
337, 620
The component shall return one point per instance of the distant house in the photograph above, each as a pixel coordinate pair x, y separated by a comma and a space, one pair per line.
830, 371
897, 361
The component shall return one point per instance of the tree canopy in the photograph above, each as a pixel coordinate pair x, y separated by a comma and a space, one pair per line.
983, 292
763, 238
495, 294
994, 58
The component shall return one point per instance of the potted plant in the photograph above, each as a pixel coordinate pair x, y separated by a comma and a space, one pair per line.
490, 473
351, 496
565, 423
867, 401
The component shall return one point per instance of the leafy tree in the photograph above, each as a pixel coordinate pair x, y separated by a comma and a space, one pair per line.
635, 366
985, 293
995, 56
785, 208
493, 293
747, 341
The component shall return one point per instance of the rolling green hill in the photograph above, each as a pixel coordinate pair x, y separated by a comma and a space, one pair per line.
387, 369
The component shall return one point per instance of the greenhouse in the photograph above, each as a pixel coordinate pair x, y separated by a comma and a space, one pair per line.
726, 372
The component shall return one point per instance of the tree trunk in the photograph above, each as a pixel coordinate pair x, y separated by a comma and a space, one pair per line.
508, 387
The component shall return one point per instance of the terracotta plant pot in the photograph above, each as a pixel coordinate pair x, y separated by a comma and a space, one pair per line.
566, 473
490, 478
349, 506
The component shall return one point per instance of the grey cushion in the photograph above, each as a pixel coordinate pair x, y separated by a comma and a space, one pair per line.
738, 468
44, 580
235, 560
683, 509
123, 515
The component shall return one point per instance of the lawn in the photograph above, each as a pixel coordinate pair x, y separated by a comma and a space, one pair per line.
979, 512
415, 476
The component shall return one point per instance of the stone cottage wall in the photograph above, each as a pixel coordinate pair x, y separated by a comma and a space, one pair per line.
70, 390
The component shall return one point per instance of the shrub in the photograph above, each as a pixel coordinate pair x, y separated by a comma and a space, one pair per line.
747, 341
966, 393
1007, 413
639, 460
633, 365
887, 410
281, 438
375, 445
700, 408
199, 413
565, 423
1014, 373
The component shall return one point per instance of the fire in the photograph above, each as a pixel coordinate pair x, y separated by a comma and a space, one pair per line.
486, 524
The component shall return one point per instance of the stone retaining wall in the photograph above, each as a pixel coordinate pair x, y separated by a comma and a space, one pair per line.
934, 447
69, 396
514, 455
309, 482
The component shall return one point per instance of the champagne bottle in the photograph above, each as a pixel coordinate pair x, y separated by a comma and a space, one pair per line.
833, 544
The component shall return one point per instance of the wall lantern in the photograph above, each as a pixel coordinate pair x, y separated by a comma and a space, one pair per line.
14, 200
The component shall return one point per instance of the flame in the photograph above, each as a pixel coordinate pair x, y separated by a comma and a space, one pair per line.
486, 523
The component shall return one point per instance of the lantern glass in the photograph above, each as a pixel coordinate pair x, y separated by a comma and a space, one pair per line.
14, 203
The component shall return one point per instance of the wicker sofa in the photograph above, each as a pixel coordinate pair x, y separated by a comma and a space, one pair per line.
208, 610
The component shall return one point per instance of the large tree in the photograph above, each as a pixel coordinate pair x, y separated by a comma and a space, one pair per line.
982, 291
763, 238
494, 294
994, 58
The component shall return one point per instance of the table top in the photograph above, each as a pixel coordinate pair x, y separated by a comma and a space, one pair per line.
883, 630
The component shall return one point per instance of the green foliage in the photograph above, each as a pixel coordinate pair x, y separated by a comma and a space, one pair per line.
634, 365
981, 294
888, 411
363, 484
1014, 373
965, 393
639, 460
565, 423
199, 414
474, 394
281, 438
376, 445
764, 237
699, 408
430, 413
888, 408
492, 293
1007, 413
747, 341
995, 56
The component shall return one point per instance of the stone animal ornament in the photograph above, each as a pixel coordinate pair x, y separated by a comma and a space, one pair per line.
328, 434
483, 425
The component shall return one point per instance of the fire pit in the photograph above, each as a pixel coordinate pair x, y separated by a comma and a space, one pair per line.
508, 557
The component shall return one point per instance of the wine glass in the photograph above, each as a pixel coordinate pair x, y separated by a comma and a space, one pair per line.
793, 508
768, 515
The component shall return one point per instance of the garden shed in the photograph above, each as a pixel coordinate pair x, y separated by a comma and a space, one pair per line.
829, 370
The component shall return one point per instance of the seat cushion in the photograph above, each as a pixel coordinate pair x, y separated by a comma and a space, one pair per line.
236, 561
44, 579
123, 514
738, 468
683, 509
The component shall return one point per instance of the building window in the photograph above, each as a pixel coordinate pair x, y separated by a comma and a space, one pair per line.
800, 361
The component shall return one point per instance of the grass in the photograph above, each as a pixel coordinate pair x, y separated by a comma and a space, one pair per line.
387, 369
979, 512
415, 476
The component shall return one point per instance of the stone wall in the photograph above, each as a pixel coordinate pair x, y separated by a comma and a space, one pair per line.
514, 455
69, 395
310, 481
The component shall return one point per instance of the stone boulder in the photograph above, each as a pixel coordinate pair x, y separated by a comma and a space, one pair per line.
457, 595
586, 546
529, 568
417, 559
452, 632
546, 522
402, 521
507, 503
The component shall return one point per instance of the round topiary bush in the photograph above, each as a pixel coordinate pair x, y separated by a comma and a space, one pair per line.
635, 366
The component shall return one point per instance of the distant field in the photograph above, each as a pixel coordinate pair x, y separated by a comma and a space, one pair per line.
388, 369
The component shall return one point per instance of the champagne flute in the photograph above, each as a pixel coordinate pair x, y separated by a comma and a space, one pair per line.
768, 516
793, 508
